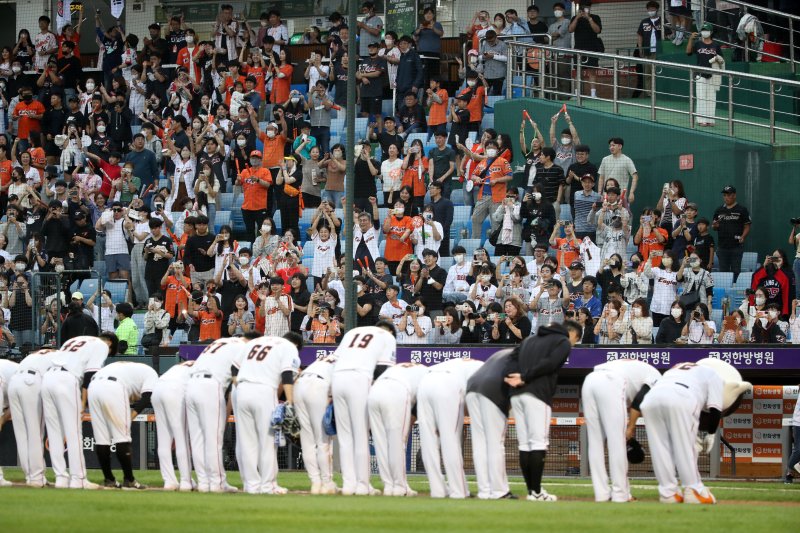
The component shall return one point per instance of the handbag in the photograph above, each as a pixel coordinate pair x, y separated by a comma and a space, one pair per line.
290, 190
494, 236
689, 299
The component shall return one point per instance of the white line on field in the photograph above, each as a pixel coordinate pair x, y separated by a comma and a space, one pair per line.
655, 487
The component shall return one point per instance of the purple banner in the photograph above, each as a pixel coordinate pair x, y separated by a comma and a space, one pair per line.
742, 357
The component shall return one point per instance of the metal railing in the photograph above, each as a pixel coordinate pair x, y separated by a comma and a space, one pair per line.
468, 43
775, 102
791, 22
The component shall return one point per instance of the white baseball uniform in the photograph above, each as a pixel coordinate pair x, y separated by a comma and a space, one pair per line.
25, 402
391, 399
359, 353
169, 404
7, 369
488, 405
63, 403
440, 413
206, 410
111, 391
312, 391
256, 399
671, 411
607, 394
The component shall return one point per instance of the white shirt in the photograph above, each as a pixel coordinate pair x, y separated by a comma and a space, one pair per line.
141, 227
39, 361
463, 368
409, 336
394, 312
322, 368
115, 234
481, 293
637, 374
457, 278
185, 170
136, 378
267, 359
395, 53
7, 369
80, 355
177, 376
313, 75
409, 374
362, 349
324, 255
392, 174
703, 383
665, 289
218, 357
697, 332
338, 286
429, 241
370, 239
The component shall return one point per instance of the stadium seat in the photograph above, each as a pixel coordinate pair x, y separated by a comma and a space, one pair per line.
308, 249
74, 286
719, 294
416, 137
470, 245
138, 319
225, 201
723, 280
89, 287
382, 248
446, 262
749, 262
489, 247
488, 121
457, 197
245, 244
716, 316
178, 337
118, 290
566, 213
491, 101
484, 229
237, 221
743, 281
386, 107
308, 262
222, 218
461, 214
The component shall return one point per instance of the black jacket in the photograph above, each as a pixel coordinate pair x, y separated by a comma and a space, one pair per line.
77, 324
538, 360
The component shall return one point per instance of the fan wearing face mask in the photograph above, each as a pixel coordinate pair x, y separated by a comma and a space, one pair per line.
565, 145
694, 278
709, 55
777, 279
665, 284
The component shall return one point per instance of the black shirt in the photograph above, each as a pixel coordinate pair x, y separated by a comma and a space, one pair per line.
69, 69
460, 128
340, 82
176, 41
585, 37
550, 178
192, 256
53, 121
378, 294
731, 224
410, 117
646, 29
385, 139
370, 318
84, 253
580, 169
441, 160
702, 247
373, 89
668, 331
298, 298
365, 181
431, 296
443, 214
229, 290
506, 337
705, 53
155, 265
245, 128
539, 27
56, 233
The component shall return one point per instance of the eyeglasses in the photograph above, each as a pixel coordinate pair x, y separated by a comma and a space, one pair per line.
117, 209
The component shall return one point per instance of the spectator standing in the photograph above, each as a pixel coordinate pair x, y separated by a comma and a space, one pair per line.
565, 146
456, 287
46, 44
431, 283
319, 105
686, 231
506, 218
619, 167
442, 163
369, 29
256, 181
127, 332
391, 54
696, 279
732, 223
398, 228
196, 252
665, 285
586, 28
429, 35
117, 257
709, 55
700, 329
490, 177
495, 56
648, 41
586, 202
410, 74
442, 213
158, 252
560, 38
551, 177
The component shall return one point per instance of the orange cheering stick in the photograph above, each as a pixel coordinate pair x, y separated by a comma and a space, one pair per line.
564, 108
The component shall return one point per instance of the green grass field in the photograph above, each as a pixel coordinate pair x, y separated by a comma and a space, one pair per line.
751, 506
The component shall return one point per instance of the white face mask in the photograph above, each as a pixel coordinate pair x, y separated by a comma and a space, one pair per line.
20, 266
295, 100
266, 227
705, 34
186, 155
485, 278
399, 211
459, 258
695, 263
667, 262
675, 312
241, 142
558, 13
613, 313
491, 152
773, 314
90, 87
471, 83
189, 39
16, 70
359, 287
652, 14
59, 268
271, 133
389, 42
323, 320
566, 140
206, 172
197, 125
421, 311
537, 196
337, 154
244, 260
760, 300
637, 311
101, 128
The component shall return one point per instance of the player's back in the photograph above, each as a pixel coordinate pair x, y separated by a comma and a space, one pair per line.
321, 367
463, 368
39, 361
364, 348
81, 354
218, 357
7, 369
409, 374
703, 383
267, 358
636, 373
177, 375
136, 378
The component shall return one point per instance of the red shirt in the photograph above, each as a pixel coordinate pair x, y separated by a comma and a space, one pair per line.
650, 244
186, 59
112, 172
395, 248
27, 125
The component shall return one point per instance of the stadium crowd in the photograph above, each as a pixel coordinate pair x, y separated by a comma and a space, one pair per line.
206, 190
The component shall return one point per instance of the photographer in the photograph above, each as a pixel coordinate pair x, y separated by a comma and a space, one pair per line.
104, 313
606, 327
231, 283
611, 273
665, 283
14, 230
568, 248
695, 280
513, 284
777, 277
699, 329
447, 328
508, 237
539, 217
480, 261
321, 326
513, 326
56, 230
547, 306
156, 325
158, 252
733, 329
21, 305
49, 328
769, 329
365, 306
414, 325
277, 308
636, 326
482, 292
323, 234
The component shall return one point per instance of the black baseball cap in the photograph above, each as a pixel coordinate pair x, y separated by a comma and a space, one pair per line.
576, 265
729, 189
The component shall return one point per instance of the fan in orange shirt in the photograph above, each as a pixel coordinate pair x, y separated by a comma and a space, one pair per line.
569, 247
210, 318
476, 89
188, 54
438, 100
282, 78
651, 237
397, 227
255, 181
176, 287
478, 24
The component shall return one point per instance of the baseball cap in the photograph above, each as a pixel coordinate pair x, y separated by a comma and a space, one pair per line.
372, 45
472, 52
707, 27
463, 97
729, 189
576, 264
692, 205
77, 295
272, 125
256, 153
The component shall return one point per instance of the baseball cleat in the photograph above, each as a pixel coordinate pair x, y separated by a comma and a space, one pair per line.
133, 485
509, 496
410, 493
88, 485
704, 497
797, 467
36, 485
374, 492
5, 483
316, 487
279, 490
111, 484
329, 488
675, 498
170, 488
542, 496
788, 480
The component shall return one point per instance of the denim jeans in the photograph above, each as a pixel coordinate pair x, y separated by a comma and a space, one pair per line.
333, 197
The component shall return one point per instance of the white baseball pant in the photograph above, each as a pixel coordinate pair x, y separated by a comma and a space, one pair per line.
671, 419
389, 422
350, 391
605, 412
169, 405
706, 95
206, 417
25, 403
258, 459
310, 402
532, 418
111, 413
62, 405
488, 427
440, 412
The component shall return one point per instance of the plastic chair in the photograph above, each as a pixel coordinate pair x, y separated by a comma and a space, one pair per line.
457, 197
118, 290
89, 287
225, 201
749, 262
723, 280
470, 245
222, 218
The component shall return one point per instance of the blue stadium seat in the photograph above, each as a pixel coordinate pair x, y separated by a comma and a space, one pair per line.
566, 213
237, 220
308, 249
446, 262
138, 319
716, 316
361, 127
89, 287
723, 280
470, 245
386, 107
749, 262
74, 286
491, 101
118, 290
178, 338
382, 248
461, 214
225, 201
484, 228
743, 281
100, 268
245, 244
489, 248
222, 218
457, 197
488, 121
416, 137
719, 294
308, 262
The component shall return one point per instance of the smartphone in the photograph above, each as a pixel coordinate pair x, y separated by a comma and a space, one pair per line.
502, 316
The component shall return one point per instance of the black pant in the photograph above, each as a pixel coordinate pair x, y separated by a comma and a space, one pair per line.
496, 86
730, 260
507, 249
252, 221
311, 201
153, 283
290, 214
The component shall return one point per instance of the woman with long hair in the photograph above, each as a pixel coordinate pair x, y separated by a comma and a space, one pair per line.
515, 326
447, 328
223, 246
391, 175
673, 204
268, 240
636, 326
415, 168
665, 285
670, 329
240, 321
300, 300
699, 329
409, 271
208, 184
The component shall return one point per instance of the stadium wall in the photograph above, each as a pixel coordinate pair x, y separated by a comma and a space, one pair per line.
657, 149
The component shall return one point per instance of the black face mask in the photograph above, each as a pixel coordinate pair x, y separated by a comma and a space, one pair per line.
27, 98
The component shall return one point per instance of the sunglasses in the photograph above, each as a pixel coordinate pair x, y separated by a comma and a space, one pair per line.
117, 209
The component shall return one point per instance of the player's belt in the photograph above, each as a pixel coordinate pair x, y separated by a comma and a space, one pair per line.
32, 372
311, 375
681, 384
107, 378
204, 376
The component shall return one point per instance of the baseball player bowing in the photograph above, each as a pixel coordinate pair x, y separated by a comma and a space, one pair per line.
391, 401
440, 413
269, 363
169, 404
7, 370
608, 393
488, 405
206, 410
64, 399
111, 392
673, 409
25, 405
362, 356
312, 391
532, 373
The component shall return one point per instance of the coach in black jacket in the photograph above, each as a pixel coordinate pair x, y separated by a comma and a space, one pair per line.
532, 373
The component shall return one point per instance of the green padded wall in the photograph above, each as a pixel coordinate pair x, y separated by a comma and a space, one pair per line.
768, 189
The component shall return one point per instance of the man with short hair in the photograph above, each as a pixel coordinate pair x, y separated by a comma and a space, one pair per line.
369, 29
587, 28
45, 44
431, 283
144, 161
127, 331
443, 210
158, 252
732, 223
620, 167
586, 203
195, 253
491, 176
410, 74
495, 57
576, 171
441, 163
551, 177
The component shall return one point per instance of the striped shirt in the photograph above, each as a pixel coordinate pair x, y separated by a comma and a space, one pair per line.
584, 221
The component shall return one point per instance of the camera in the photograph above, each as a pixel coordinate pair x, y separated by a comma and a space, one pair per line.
412, 308
749, 292
795, 221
